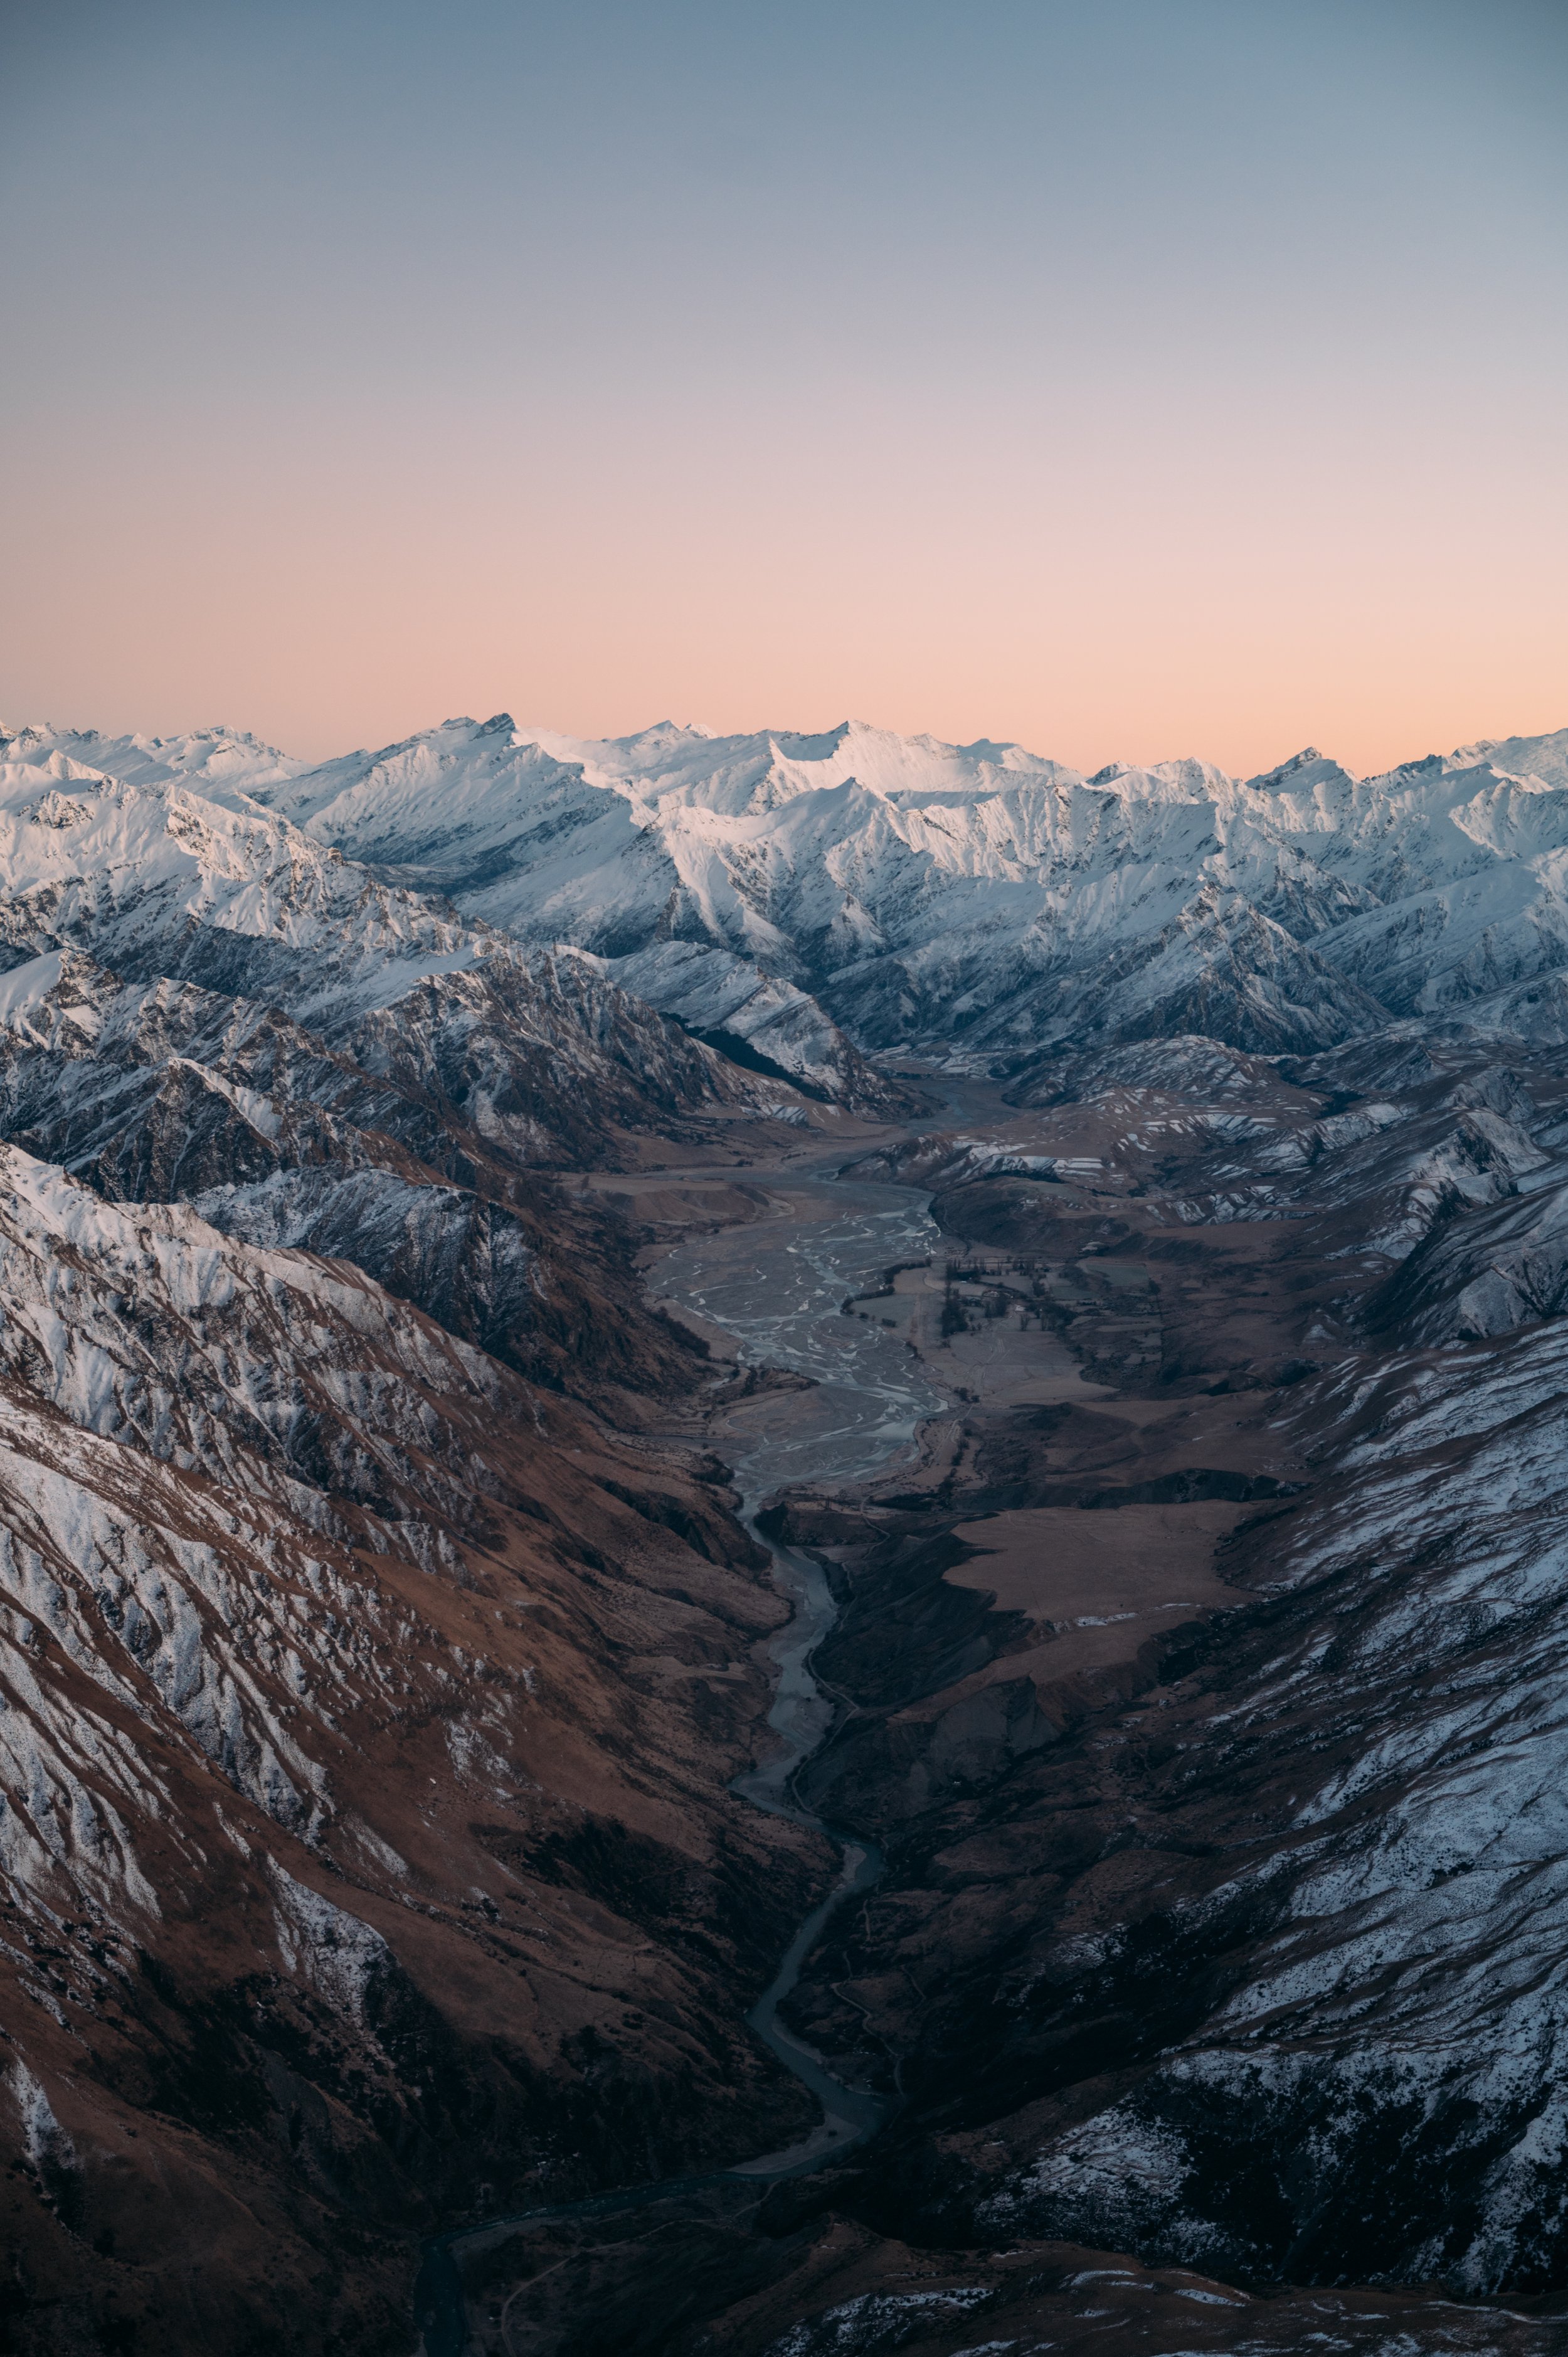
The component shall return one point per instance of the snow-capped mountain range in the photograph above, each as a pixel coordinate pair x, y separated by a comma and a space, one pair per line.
783, 890
372, 1682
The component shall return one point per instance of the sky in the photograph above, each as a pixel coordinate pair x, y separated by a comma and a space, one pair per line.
1128, 378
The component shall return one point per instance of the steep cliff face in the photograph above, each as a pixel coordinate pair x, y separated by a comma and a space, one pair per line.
1356, 1912
367, 1721
163, 1091
162, 886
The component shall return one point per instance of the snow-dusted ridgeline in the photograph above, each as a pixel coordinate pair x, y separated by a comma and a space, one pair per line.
789, 890
930, 894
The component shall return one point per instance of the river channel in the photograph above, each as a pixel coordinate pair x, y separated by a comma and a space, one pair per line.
777, 1285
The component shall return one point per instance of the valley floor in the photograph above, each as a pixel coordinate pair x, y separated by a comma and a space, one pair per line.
1056, 1601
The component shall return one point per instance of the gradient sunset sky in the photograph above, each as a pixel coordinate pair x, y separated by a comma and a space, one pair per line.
1130, 377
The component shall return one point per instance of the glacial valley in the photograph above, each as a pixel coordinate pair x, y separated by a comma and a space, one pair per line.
477, 1221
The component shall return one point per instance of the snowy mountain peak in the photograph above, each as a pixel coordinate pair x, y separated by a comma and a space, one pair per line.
852, 888
212, 760
1307, 767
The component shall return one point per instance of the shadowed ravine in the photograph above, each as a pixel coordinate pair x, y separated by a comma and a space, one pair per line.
869, 1401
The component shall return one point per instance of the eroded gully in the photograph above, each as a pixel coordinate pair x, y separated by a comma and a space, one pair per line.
777, 1286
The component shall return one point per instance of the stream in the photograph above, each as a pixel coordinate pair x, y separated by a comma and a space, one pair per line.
777, 1285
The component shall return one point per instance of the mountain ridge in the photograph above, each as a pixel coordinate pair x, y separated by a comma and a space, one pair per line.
822, 897
903, 894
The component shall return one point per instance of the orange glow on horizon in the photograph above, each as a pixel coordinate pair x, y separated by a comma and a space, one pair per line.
1127, 382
